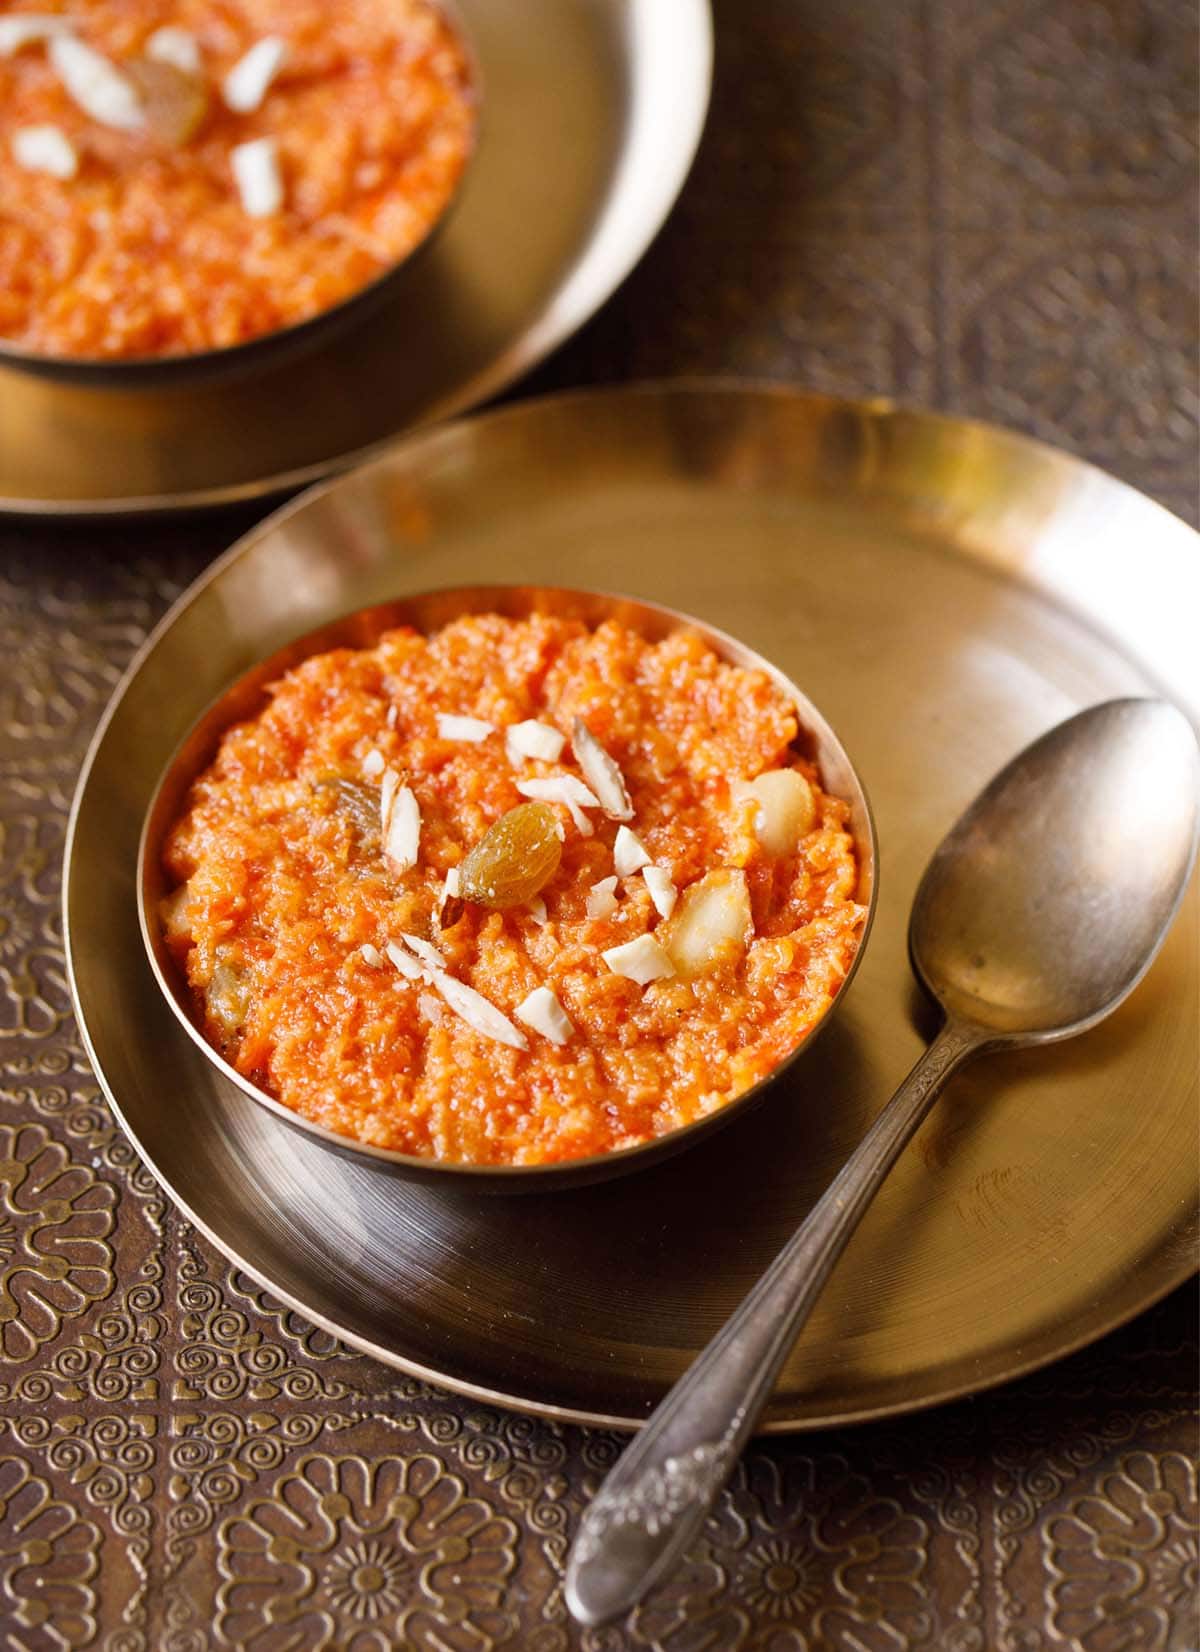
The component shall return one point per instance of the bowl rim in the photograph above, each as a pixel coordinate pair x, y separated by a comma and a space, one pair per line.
360, 627
217, 361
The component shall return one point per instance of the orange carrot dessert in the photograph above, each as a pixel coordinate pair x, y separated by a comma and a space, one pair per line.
516, 892
182, 175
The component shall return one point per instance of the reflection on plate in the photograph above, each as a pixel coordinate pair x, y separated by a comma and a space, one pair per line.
591, 113
947, 592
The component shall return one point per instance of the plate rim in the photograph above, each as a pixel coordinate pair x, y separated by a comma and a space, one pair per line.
1172, 1273
541, 335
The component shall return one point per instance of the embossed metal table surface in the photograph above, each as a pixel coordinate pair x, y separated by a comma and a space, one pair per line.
986, 208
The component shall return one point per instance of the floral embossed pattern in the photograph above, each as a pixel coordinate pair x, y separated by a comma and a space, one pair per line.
48, 1559
55, 1219
363, 1556
1124, 1557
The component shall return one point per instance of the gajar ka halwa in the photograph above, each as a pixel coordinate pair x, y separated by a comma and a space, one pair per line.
516, 892
184, 175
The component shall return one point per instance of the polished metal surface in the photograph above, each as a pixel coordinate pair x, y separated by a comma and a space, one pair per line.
946, 592
1039, 912
591, 111
426, 612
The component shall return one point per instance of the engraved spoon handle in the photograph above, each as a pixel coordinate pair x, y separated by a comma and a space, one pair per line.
659, 1493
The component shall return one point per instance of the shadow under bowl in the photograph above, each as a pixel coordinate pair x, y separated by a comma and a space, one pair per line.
427, 612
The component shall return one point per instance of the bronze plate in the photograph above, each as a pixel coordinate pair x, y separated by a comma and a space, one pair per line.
591, 113
946, 592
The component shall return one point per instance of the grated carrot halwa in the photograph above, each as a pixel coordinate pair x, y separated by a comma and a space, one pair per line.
282, 882
148, 251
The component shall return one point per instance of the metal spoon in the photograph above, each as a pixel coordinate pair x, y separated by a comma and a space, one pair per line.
1039, 912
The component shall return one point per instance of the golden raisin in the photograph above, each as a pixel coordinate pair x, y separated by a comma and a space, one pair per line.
514, 859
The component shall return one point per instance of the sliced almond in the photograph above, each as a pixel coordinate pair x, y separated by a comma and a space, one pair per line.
373, 764
629, 853
786, 810
471, 729
602, 898
450, 902
404, 961
45, 149
257, 176
564, 789
642, 960
393, 712
371, 955
473, 1008
30, 29
711, 925
601, 772
95, 84
403, 837
536, 909
543, 1012
533, 739
430, 1008
248, 82
662, 889
388, 787
175, 912
178, 47
425, 950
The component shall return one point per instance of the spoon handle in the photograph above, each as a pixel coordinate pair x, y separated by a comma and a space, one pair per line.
659, 1493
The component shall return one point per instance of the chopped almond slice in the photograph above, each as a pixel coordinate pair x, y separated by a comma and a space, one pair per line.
537, 910
30, 29
473, 1008
430, 1008
564, 789
249, 81
425, 950
176, 913
178, 47
602, 773
257, 176
92, 82
388, 787
45, 149
786, 809
393, 713
642, 960
602, 898
403, 837
543, 1012
371, 955
629, 853
404, 961
662, 889
373, 764
450, 902
712, 924
533, 739
472, 729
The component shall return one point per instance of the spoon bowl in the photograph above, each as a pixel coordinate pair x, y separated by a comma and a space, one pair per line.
1046, 902
1039, 912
